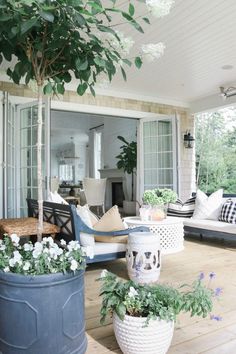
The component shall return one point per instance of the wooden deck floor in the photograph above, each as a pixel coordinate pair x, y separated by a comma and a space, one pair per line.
192, 335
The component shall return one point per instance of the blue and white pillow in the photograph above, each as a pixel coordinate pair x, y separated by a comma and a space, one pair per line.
182, 209
228, 212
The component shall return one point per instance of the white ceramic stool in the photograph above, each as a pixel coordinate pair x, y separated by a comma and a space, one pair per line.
143, 257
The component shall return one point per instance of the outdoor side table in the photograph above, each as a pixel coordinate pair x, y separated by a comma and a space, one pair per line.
169, 230
143, 257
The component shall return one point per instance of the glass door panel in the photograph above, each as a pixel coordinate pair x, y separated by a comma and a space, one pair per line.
157, 153
27, 165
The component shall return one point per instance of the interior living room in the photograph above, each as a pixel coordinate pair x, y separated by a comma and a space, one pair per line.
135, 179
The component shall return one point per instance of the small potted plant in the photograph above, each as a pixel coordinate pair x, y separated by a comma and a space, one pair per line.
157, 200
42, 297
148, 312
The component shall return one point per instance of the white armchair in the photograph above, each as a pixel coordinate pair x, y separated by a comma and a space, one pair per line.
94, 190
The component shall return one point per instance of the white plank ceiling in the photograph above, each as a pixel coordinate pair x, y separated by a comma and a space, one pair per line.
200, 38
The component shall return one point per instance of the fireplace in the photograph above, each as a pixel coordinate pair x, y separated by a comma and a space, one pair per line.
114, 186
117, 193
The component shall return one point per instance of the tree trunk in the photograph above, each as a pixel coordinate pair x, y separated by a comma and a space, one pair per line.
132, 186
39, 163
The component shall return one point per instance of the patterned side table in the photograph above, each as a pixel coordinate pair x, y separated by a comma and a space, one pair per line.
143, 257
169, 230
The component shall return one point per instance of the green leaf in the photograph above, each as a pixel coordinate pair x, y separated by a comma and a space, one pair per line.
106, 29
131, 9
123, 73
84, 64
47, 90
46, 15
60, 89
138, 62
126, 61
92, 90
145, 19
82, 88
27, 25
100, 62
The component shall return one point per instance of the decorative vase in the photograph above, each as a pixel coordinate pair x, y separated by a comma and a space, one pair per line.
134, 337
42, 314
158, 212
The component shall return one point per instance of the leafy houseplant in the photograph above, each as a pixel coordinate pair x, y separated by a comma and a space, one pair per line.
42, 288
127, 160
55, 42
144, 311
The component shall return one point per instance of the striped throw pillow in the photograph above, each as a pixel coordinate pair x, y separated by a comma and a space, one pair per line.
182, 209
228, 212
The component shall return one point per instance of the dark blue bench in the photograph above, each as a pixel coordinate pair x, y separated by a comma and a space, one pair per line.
71, 225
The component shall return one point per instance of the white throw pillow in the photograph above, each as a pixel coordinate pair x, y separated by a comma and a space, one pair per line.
208, 207
54, 197
85, 239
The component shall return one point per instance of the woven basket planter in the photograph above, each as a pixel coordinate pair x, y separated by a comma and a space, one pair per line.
134, 338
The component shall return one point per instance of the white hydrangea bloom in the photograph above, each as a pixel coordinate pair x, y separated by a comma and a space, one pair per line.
132, 292
159, 8
123, 46
74, 265
152, 51
103, 273
6, 269
15, 239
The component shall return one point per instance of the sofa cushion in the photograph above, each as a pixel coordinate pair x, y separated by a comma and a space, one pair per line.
208, 207
104, 247
228, 212
211, 225
182, 209
84, 213
110, 221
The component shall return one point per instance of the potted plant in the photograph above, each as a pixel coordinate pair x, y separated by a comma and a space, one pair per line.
41, 297
157, 201
56, 42
127, 161
144, 315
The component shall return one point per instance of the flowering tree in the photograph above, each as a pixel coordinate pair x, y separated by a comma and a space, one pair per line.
56, 41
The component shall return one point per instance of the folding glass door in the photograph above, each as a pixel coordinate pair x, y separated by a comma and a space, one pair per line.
27, 153
157, 154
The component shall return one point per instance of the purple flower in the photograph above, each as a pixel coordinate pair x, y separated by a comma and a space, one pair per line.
212, 275
216, 318
218, 291
201, 276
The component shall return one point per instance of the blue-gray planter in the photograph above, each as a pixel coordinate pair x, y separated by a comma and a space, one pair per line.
42, 314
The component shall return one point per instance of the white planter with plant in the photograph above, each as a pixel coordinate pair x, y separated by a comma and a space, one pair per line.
144, 315
158, 200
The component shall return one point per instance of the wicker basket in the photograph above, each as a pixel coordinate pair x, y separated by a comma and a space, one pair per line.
134, 338
26, 227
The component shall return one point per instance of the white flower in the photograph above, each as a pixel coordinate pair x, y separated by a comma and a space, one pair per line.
63, 242
15, 239
159, 8
17, 256
2, 247
152, 51
88, 251
132, 292
6, 269
104, 273
28, 247
74, 265
26, 266
38, 246
123, 45
73, 246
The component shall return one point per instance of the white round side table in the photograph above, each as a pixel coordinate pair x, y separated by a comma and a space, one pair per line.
143, 257
169, 230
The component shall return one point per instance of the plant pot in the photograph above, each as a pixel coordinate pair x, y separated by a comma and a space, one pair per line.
134, 338
42, 314
129, 207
